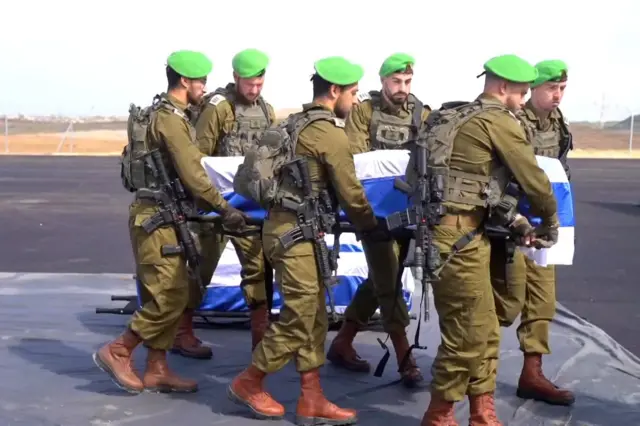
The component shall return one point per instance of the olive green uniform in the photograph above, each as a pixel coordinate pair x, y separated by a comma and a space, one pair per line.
529, 288
164, 280
301, 330
225, 128
375, 124
467, 358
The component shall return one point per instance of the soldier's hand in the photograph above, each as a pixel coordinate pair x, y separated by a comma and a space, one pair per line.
522, 230
234, 219
545, 236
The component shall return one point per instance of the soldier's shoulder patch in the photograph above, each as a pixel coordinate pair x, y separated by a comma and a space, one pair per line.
215, 100
339, 122
178, 112
515, 117
364, 96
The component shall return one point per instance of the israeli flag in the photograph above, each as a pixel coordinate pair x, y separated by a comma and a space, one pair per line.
563, 251
377, 171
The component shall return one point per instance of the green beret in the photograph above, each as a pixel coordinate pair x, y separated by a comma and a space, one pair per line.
550, 70
250, 63
511, 68
396, 63
338, 70
190, 64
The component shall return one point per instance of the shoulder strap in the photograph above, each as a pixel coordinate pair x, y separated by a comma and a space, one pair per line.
299, 121
265, 110
416, 121
374, 96
165, 104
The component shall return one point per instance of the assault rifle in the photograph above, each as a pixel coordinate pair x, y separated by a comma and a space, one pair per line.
425, 198
316, 217
174, 210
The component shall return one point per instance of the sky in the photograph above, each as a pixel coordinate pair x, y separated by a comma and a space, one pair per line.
89, 58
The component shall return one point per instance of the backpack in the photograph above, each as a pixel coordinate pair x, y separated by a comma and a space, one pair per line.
259, 177
438, 134
132, 164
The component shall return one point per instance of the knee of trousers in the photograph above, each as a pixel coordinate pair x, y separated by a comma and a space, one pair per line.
507, 312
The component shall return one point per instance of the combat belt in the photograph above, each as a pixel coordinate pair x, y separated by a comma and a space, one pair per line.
316, 217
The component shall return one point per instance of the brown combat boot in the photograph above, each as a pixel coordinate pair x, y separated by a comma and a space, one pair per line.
534, 385
439, 413
159, 378
246, 389
186, 343
115, 359
314, 409
259, 324
409, 372
343, 354
482, 410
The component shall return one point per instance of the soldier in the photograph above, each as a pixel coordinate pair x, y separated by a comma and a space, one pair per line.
165, 281
301, 330
226, 121
382, 120
481, 145
531, 288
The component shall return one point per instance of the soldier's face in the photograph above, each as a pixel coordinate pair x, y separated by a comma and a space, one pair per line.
515, 94
249, 88
548, 96
345, 100
195, 89
397, 87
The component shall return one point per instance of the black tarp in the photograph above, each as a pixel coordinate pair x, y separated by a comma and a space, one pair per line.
47, 377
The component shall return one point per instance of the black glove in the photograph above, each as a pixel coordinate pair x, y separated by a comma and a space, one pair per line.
234, 219
545, 236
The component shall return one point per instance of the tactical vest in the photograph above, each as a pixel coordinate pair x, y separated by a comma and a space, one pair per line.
264, 176
250, 122
547, 143
388, 131
439, 133
134, 171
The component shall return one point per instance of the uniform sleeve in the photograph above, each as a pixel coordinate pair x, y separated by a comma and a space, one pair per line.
357, 129
342, 172
174, 132
208, 129
517, 154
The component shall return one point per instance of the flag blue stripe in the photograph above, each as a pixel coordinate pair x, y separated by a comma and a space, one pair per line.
564, 198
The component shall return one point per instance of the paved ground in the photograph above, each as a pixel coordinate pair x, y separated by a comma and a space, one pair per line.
69, 214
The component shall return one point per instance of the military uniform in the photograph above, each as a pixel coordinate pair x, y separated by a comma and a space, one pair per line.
489, 143
301, 330
374, 124
225, 127
164, 280
522, 286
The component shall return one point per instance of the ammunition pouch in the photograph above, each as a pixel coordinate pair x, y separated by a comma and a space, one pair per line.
503, 213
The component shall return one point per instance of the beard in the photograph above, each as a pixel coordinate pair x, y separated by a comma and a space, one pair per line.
341, 112
399, 98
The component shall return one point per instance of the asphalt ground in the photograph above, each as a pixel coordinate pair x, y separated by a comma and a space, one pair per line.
69, 215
